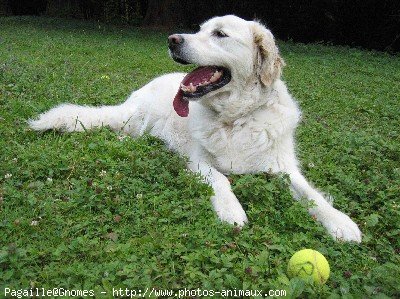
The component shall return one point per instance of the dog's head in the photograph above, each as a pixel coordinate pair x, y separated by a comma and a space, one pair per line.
230, 53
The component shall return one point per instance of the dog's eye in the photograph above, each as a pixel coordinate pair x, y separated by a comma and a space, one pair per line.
219, 33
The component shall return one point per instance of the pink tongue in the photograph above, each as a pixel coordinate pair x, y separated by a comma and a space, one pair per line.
195, 77
181, 105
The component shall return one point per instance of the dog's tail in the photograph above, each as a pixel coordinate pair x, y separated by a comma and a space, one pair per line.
68, 118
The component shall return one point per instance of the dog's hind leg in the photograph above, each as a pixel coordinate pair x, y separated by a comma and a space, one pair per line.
68, 117
145, 109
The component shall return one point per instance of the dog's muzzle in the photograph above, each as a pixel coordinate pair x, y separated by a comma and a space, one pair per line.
175, 41
175, 45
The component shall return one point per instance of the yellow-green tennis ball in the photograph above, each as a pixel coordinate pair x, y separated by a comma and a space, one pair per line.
309, 263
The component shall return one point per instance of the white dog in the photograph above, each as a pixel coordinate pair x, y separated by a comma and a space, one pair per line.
241, 120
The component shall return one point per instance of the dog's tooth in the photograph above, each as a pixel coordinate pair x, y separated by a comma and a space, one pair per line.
215, 76
192, 87
206, 82
183, 87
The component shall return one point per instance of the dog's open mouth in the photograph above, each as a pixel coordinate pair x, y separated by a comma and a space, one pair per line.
197, 83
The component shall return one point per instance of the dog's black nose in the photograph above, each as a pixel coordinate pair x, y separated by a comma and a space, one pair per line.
175, 40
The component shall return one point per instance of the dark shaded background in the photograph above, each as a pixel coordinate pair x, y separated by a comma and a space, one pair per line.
370, 24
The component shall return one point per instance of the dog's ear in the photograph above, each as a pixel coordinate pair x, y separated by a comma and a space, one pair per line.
268, 63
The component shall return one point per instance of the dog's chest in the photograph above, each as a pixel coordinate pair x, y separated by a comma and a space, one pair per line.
238, 147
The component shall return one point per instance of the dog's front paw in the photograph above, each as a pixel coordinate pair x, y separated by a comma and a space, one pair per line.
233, 217
229, 210
341, 227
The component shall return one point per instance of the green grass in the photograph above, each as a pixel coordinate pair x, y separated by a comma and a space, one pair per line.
94, 211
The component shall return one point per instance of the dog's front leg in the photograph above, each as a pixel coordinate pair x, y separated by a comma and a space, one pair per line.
338, 224
225, 203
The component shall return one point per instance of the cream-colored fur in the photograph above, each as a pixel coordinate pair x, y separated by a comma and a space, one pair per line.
247, 126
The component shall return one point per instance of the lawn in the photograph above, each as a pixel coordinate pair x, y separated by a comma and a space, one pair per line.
97, 211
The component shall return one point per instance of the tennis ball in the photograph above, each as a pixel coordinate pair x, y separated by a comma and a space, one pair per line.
309, 263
